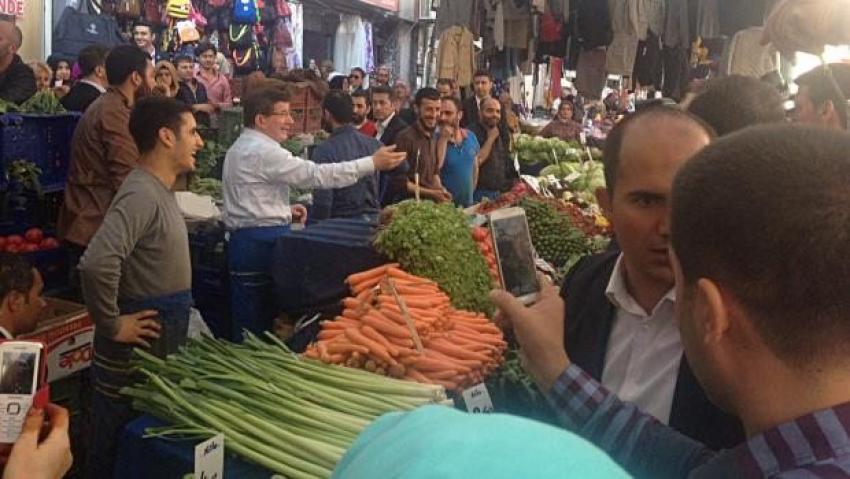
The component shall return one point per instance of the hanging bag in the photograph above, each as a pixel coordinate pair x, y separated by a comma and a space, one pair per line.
245, 60
245, 12
240, 36
77, 30
178, 9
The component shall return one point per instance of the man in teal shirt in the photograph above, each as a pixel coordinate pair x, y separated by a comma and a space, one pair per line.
457, 153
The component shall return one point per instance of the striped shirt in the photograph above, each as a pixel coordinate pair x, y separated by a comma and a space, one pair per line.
813, 446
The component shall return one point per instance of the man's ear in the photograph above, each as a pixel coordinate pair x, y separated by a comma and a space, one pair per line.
167, 137
711, 307
14, 301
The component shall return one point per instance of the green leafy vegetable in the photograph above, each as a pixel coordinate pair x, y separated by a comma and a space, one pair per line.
44, 101
434, 241
207, 186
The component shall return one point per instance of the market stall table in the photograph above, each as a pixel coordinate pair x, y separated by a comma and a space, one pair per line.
140, 458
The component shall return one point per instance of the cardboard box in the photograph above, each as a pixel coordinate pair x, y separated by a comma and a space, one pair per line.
68, 333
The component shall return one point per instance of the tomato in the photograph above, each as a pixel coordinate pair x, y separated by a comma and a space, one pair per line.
13, 248
29, 248
15, 240
479, 233
34, 235
2, 242
49, 243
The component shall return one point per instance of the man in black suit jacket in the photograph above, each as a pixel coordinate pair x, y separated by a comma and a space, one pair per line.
482, 86
619, 305
92, 61
393, 184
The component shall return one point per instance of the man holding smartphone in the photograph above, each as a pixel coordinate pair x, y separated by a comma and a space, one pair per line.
136, 272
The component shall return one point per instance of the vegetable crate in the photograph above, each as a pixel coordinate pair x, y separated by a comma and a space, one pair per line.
44, 140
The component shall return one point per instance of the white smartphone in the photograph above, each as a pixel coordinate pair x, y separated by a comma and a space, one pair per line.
512, 242
20, 364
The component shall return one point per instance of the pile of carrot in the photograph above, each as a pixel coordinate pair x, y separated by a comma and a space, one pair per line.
458, 348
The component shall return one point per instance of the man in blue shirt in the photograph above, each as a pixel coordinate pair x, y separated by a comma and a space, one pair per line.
457, 153
344, 144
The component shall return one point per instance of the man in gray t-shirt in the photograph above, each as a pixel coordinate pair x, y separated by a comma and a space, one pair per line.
136, 272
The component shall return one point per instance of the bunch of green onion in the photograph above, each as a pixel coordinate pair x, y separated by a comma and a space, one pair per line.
289, 414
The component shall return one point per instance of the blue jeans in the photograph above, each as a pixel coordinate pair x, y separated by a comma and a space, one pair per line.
111, 371
253, 304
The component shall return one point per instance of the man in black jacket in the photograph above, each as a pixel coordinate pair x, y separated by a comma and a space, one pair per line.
393, 184
92, 61
482, 86
17, 80
621, 328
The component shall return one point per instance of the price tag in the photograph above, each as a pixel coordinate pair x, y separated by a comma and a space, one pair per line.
209, 458
477, 399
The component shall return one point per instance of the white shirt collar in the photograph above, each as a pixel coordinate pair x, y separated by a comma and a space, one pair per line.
97, 85
386, 123
618, 293
259, 135
5, 333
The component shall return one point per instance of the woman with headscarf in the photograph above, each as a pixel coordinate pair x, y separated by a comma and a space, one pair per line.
167, 83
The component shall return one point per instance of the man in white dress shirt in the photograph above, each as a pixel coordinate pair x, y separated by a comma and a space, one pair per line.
257, 175
620, 304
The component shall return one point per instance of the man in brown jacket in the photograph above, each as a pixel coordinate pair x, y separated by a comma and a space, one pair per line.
103, 152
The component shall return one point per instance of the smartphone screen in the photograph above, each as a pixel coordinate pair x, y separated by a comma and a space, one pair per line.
513, 248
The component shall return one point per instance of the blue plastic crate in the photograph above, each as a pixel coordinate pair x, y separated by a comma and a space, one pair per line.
42, 139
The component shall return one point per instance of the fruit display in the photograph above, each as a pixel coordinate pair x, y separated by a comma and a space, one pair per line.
554, 236
31, 241
518, 192
538, 150
433, 241
582, 178
403, 326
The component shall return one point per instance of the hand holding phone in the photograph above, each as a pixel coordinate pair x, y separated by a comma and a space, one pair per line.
512, 242
20, 368
49, 458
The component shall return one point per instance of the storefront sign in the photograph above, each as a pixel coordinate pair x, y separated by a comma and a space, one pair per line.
391, 5
16, 7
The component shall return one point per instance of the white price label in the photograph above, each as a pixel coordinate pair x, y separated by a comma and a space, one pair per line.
477, 399
209, 458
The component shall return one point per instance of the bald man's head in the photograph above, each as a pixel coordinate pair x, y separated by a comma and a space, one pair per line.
11, 39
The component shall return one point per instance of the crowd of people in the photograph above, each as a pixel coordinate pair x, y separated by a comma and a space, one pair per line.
728, 220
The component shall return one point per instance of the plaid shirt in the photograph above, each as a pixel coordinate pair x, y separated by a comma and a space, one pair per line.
813, 446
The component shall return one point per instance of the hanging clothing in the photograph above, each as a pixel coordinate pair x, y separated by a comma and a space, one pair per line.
708, 19
590, 23
454, 13
370, 49
655, 12
556, 65
295, 54
350, 43
648, 66
625, 23
677, 31
517, 24
676, 69
455, 56
591, 74
745, 55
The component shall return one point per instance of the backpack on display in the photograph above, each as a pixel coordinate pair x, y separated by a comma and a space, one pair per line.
245, 12
178, 9
77, 30
246, 60
240, 36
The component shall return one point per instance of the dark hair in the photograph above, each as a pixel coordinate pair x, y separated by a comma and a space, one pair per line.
261, 102
360, 93
205, 47
183, 59
16, 274
446, 81
53, 62
565, 102
735, 102
19, 36
360, 70
337, 82
482, 73
614, 142
143, 23
382, 89
822, 84
763, 212
91, 57
122, 61
426, 93
338, 104
152, 114
455, 101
